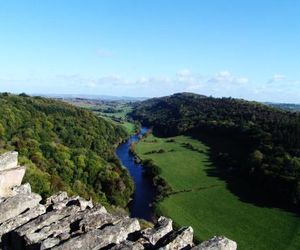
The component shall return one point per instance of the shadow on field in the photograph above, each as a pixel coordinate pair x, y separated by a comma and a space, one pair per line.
230, 171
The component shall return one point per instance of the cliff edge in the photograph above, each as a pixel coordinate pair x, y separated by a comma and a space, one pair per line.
74, 223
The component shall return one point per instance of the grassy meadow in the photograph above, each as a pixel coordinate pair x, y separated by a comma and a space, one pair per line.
119, 116
205, 203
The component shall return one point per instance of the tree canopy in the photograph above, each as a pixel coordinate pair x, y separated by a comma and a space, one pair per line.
64, 148
270, 138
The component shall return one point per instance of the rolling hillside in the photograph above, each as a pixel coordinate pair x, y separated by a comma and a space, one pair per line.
265, 141
64, 148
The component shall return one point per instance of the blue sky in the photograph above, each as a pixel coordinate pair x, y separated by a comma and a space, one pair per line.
246, 49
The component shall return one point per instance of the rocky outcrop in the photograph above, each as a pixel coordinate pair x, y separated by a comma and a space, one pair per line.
10, 173
8, 160
217, 243
73, 223
70, 223
162, 228
18, 204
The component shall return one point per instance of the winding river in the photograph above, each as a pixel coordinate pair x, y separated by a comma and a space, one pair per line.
144, 194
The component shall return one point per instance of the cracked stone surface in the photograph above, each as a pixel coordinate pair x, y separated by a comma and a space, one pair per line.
65, 223
217, 243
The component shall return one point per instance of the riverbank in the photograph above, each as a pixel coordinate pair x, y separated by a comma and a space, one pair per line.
144, 194
201, 199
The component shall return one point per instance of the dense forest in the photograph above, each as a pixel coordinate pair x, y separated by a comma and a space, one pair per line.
64, 148
267, 139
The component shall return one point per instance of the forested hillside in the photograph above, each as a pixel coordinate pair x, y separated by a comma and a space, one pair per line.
65, 148
267, 140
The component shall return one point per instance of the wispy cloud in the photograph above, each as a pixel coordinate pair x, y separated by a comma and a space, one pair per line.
276, 78
184, 80
227, 77
222, 83
184, 73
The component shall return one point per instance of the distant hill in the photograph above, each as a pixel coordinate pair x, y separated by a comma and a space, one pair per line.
285, 106
65, 148
93, 97
268, 138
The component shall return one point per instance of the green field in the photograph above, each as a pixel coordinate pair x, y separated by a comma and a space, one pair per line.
205, 203
130, 127
122, 114
119, 116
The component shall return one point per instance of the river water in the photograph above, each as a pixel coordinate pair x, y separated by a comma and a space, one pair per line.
144, 194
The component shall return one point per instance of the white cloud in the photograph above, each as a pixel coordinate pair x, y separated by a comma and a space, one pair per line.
184, 73
223, 83
227, 77
143, 80
276, 78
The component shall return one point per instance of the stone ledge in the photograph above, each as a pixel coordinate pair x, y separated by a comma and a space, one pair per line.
8, 160
70, 223
73, 223
10, 178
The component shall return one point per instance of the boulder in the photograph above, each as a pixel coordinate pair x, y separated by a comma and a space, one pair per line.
57, 228
23, 189
83, 204
128, 245
62, 200
99, 238
56, 198
163, 227
13, 206
24, 234
62, 229
8, 160
76, 200
21, 219
49, 243
217, 243
181, 239
10, 178
45, 220
97, 219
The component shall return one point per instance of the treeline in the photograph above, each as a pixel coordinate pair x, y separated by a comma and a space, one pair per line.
269, 139
65, 148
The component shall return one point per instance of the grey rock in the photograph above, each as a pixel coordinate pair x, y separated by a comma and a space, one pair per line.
62, 229
10, 178
84, 203
56, 198
78, 201
45, 220
54, 229
23, 189
48, 243
217, 243
97, 219
180, 239
27, 232
16, 205
64, 236
128, 245
8, 160
21, 219
97, 239
54, 241
163, 227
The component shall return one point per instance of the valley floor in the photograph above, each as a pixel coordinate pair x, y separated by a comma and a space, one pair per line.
204, 201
